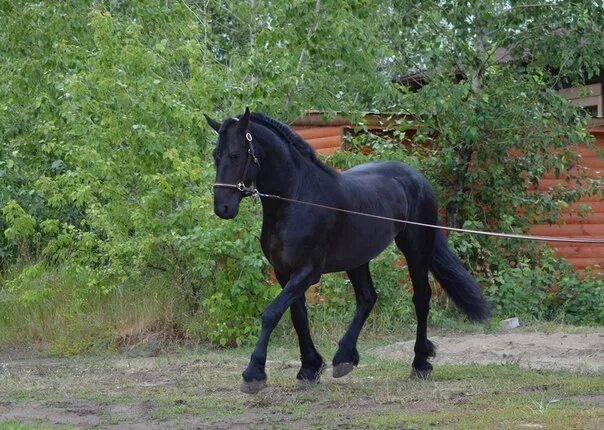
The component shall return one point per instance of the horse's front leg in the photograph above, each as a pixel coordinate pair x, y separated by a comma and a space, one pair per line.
254, 377
312, 362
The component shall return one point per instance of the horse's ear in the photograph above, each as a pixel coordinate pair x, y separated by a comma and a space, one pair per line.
245, 119
213, 123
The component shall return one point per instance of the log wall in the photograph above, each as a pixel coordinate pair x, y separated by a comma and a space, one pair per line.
581, 256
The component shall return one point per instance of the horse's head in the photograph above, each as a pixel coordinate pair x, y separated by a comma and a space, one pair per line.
235, 163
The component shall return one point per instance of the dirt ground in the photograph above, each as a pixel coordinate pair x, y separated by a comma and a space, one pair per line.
198, 388
576, 352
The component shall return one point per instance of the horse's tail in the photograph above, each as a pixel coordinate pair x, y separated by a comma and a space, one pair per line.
459, 284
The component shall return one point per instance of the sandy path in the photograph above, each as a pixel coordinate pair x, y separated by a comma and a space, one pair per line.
576, 352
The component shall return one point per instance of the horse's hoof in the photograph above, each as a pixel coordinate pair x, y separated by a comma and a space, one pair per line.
420, 374
310, 375
342, 369
253, 386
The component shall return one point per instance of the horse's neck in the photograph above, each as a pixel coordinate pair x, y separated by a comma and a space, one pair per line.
282, 174
278, 171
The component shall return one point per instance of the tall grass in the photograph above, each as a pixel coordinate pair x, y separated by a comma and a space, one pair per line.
61, 309
56, 310
52, 308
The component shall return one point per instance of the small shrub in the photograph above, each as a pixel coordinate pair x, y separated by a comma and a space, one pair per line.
580, 300
520, 291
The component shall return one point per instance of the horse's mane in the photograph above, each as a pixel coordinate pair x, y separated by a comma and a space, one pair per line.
291, 137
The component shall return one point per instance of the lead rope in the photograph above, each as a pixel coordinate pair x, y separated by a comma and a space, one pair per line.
253, 191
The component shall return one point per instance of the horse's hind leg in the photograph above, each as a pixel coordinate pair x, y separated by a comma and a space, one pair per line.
347, 355
417, 249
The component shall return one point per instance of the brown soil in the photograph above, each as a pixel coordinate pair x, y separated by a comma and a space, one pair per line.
199, 388
576, 352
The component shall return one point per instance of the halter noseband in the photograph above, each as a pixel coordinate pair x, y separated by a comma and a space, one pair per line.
251, 190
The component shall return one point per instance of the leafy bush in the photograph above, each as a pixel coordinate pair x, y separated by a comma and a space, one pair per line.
237, 288
105, 165
522, 291
108, 160
539, 293
580, 301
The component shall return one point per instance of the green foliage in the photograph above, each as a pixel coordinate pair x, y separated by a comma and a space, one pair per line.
105, 172
581, 301
489, 107
237, 288
108, 163
320, 59
522, 291
487, 159
540, 293
21, 224
105, 160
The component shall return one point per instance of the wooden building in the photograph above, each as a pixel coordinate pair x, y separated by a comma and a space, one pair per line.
581, 256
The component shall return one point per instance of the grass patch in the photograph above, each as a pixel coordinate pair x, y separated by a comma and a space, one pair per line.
493, 396
57, 312
51, 308
19, 425
517, 413
200, 387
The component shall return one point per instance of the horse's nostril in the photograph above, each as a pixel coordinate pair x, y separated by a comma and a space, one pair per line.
225, 209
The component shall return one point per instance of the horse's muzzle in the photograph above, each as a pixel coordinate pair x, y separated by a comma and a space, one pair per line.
225, 211
226, 203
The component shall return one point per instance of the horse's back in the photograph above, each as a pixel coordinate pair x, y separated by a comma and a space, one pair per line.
386, 182
384, 169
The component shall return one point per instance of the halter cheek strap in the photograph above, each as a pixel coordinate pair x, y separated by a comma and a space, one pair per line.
250, 150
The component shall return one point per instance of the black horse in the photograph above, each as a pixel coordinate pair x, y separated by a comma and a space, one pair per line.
303, 242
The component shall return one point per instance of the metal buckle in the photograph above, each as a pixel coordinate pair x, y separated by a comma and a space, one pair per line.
251, 152
248, 136
241, 186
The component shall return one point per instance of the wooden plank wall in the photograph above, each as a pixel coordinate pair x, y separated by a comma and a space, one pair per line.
581, 256
327, 139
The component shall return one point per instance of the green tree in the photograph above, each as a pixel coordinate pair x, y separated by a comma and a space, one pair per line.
284, 57
490, 105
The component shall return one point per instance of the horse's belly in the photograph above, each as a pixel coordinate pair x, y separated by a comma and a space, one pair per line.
358, 245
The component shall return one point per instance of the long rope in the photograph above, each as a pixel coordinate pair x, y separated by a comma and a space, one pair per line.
254, 192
